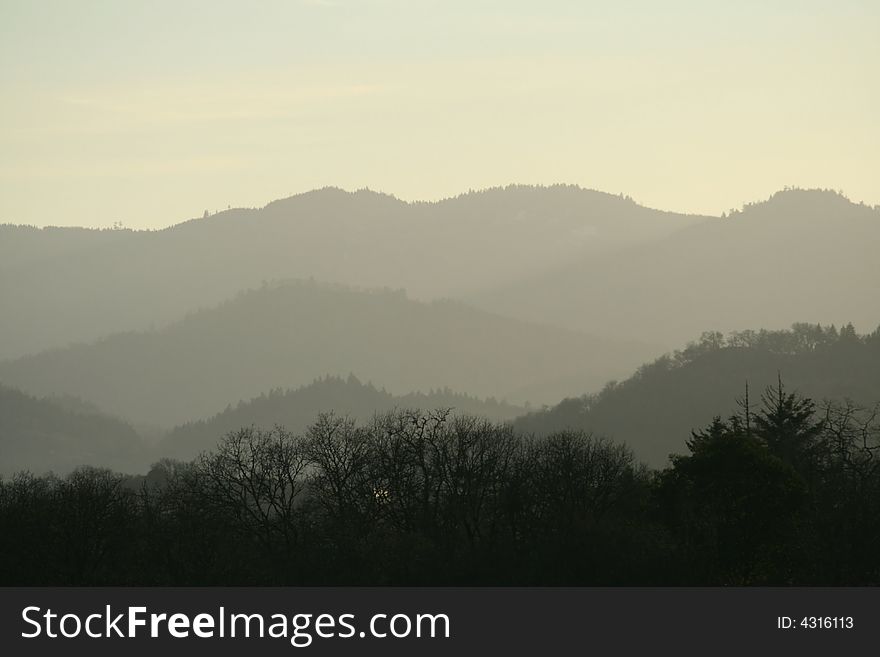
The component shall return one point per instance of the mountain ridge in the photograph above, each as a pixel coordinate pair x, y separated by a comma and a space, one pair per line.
126, 280
769, 264
654, 410
295, 409
287, 334
43, 434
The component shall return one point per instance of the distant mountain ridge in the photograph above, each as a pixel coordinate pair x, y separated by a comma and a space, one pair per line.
296, 409
63, 285
801, 253
287, 334
45, 435
61, 433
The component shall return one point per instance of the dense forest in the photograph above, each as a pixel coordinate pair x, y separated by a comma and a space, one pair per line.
784, 492
652, 410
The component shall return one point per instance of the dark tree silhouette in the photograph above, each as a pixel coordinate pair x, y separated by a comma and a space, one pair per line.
733, 505
788, 426
432, 497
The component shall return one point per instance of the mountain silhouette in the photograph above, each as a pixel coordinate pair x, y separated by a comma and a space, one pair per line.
44, 435
287, 334
800, 254
59, 286
655, 410
296, 409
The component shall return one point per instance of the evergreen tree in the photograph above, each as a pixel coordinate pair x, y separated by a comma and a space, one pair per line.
786, 424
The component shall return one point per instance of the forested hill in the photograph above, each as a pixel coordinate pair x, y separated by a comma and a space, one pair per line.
296, 409
63, 285
287, 335
44, 435
800, 254
655, 410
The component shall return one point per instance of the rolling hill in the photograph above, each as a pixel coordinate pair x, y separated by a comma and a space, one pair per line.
44, 435
64, 285
800, 254
296, 409
655, 410
286, 335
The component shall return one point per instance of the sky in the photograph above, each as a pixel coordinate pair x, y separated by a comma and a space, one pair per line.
150, 113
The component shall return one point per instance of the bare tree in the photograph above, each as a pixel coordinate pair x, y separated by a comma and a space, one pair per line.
257, 476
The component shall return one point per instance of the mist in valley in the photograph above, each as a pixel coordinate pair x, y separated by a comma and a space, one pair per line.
543, 306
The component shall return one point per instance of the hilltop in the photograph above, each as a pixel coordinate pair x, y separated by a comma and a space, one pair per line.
655, 410
287, 334
296, 409
73, 285
801, 253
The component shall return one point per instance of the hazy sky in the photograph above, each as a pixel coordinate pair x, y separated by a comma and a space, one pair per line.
151, 112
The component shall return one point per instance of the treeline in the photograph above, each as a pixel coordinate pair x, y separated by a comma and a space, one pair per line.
782, 493
296, 409
654, 410
801, 338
